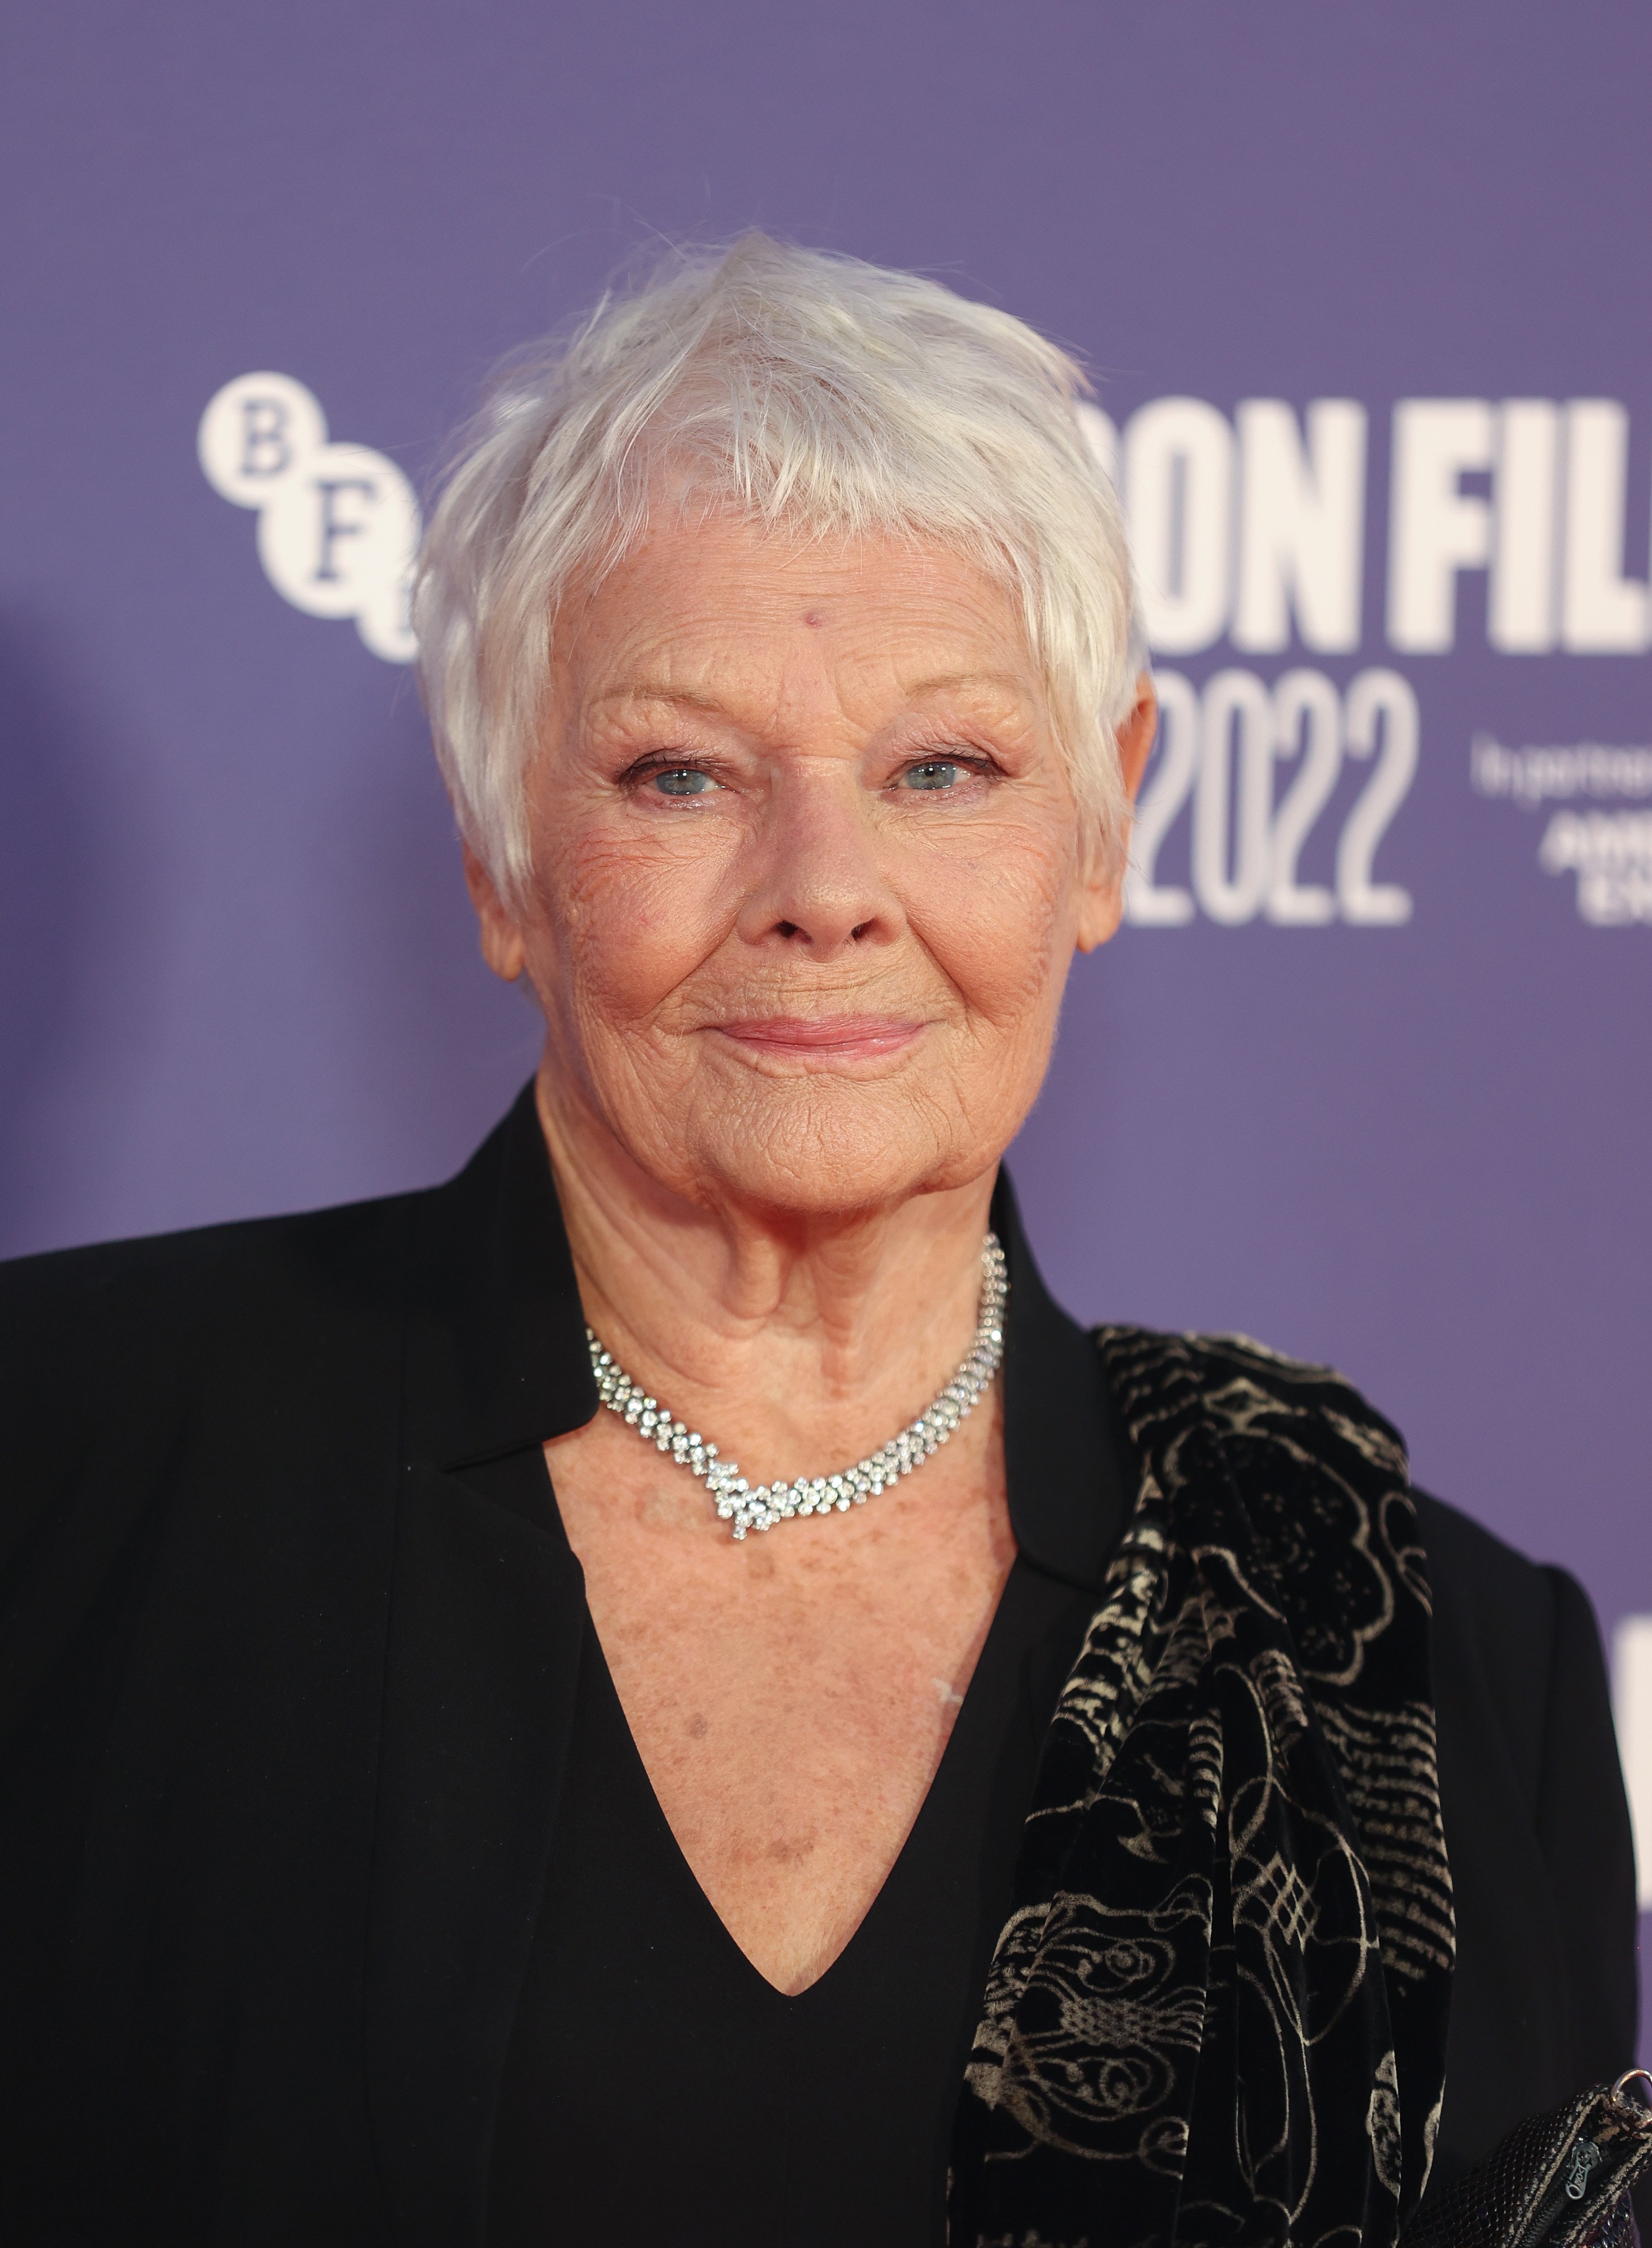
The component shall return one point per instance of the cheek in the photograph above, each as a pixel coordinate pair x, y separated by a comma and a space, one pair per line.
1001, 923
622, 922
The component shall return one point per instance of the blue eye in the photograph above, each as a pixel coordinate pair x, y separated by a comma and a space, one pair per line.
683, 780
940, 772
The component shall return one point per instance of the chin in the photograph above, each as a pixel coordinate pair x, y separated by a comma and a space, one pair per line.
836, 1157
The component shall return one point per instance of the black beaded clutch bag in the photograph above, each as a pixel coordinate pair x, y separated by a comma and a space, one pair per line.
1557, 2181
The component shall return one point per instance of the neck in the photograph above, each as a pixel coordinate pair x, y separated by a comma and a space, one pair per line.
797, 1338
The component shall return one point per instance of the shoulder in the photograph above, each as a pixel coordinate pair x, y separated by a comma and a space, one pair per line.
1297, 1434
1249, 1398
1489, 1587
1481, 1587
70, 1308
112, 1356
1513, 1642
1516, 1649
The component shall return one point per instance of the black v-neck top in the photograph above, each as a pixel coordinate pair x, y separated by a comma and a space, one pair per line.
658, 2088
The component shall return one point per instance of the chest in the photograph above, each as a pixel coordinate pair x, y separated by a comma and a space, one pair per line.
790, 1697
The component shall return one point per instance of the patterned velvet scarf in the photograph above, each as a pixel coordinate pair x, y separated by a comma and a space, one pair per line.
1217, 2012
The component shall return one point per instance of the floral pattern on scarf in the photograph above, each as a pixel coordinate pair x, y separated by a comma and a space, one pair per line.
1217, 2013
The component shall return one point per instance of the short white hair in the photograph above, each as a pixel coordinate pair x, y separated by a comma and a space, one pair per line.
809, 392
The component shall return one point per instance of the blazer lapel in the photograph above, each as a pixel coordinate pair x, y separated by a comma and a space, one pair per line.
487, 1614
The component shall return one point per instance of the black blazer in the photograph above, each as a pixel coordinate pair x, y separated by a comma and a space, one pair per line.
284, 1702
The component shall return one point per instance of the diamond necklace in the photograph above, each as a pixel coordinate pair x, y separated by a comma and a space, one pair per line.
777, 1502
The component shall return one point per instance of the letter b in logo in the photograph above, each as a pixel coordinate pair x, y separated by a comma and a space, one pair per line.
255, 432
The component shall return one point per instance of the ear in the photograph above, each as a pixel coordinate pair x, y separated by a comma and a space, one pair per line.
1103, 904
502, 947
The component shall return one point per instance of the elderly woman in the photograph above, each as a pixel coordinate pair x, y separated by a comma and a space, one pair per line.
448, 1801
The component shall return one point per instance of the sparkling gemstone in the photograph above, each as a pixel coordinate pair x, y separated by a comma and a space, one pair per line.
770, 1502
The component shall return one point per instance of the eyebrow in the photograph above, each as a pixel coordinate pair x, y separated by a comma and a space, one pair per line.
674, 698
942, 683
1001, 682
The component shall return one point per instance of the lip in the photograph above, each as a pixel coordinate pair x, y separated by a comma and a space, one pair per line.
823, 1038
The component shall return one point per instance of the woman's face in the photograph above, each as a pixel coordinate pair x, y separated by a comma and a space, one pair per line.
808, 871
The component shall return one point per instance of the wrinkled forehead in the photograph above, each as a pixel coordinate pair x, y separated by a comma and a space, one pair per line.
722, 612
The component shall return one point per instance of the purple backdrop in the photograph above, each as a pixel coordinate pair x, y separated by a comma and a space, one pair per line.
239, 972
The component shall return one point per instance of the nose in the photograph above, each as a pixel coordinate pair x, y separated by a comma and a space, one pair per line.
816, 881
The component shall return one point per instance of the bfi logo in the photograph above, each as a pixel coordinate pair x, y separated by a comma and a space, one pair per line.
338, 525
